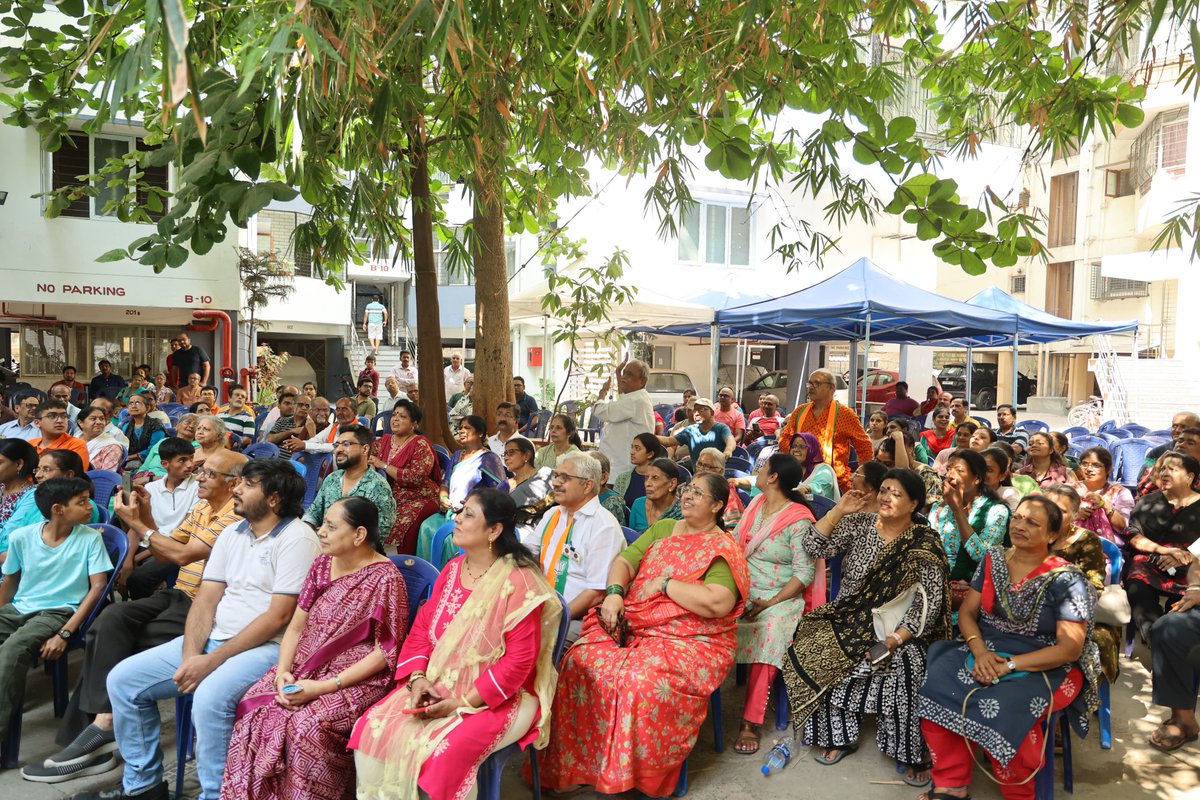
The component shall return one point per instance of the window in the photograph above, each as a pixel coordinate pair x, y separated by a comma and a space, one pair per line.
714, 233
1118, 182
664, 357
1016, 284
82, 155
1162, 145
1060, 286
447, 275
1116, 288
1063, 190
277, 233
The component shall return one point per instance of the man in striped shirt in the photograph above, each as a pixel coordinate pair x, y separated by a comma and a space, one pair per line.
123, 629
238, 419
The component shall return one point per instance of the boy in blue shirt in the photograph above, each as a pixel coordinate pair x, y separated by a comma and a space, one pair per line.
54, 575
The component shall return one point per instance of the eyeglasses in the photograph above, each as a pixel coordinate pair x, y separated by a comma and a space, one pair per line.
45, 470
205, 472
513, 452
690, 490
563, 477
343, 444
1090, 465
53, 417
710, 467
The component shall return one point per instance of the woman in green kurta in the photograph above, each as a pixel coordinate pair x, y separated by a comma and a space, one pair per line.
771, 533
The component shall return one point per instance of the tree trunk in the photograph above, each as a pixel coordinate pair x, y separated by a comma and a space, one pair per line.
429, 321
493, 348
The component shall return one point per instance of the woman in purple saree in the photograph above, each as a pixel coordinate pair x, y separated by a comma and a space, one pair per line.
340, 650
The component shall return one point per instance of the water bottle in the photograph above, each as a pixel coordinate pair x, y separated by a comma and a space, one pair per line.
779, 756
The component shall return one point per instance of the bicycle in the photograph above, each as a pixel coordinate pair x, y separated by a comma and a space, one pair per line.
1088, 415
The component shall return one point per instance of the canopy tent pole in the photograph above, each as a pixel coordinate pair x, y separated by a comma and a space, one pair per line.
546, 351
1015, 372
970, 365
715, 338
866, 363
852, 375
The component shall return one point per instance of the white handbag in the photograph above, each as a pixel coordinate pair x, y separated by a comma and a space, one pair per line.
1112, 607
888, 616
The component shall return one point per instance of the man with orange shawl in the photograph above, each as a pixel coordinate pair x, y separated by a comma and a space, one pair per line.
836, 427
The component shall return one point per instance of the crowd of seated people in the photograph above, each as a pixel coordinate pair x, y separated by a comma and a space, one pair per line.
277, 611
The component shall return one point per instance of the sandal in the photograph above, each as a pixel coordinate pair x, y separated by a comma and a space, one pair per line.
840, 753
748, 740
908, 774
1168, 742
936, 795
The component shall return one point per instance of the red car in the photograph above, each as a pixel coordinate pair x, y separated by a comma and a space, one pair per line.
881, 386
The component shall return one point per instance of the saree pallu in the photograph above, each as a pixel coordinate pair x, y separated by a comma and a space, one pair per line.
467, 632
415, 487
832, 640
1015, 620
627, 717
277, 752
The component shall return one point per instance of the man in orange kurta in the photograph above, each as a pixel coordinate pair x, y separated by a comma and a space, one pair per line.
836, 427
52, 418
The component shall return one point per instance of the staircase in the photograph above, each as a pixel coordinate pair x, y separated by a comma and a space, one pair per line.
1113, 388
1156, 389
387, 357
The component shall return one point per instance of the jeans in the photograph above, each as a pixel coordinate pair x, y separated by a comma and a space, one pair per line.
137, 684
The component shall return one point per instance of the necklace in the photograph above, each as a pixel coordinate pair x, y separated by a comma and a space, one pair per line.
471, 573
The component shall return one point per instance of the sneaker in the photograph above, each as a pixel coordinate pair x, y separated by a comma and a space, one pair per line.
94, 765
90, 743
117, 792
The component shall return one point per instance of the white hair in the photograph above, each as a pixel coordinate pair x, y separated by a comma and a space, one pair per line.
587, 467
714, 453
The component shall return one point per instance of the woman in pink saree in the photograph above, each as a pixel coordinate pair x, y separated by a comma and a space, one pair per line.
339, 650
475, 673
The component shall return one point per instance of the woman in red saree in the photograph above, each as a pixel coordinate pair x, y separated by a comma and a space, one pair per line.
476, 671
634, 688
413, 473
340, 649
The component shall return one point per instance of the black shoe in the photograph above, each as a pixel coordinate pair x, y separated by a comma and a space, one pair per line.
91, 742
159, 792
93, 765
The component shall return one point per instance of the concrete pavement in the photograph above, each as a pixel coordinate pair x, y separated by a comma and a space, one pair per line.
1130, 771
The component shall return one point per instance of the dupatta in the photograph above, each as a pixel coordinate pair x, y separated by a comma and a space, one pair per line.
788, 515
472, 642
831, 640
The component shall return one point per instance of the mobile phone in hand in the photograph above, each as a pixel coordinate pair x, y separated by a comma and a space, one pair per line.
126, 487
878, 653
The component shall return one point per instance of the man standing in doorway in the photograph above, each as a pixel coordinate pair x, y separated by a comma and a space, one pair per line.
836, 427
375, 316
455, 374
190, 358
405, 372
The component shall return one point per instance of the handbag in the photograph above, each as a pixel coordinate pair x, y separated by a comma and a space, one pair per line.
1112, 607
888, 616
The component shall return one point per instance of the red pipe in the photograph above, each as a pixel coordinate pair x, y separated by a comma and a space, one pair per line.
42, 320
248, 375
219, 319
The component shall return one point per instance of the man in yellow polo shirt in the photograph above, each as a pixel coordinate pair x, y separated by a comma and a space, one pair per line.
123, 629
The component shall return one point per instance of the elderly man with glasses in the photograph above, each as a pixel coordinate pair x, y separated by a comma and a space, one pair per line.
836, 427
23, 426
577, 541
124, 629
353, 476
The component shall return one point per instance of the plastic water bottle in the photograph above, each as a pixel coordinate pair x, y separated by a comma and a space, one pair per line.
779, 756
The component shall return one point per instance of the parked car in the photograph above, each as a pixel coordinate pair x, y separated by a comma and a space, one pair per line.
983, 384
772, 383
668, 387
727, 375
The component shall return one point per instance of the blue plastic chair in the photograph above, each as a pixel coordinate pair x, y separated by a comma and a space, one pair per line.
1118, 434
820, 505
488, 777
261, 450
630, 535
685, 475
1107, 426
1128, 457
739, 463
443, 457
173, 411
1160, 434
314, 465
1085, 440
116, 544
386, 418
259, 433
419, 576
105, 482
437, 546
1076, 430
1044, 782
1033, 425
185, 738
1135, 430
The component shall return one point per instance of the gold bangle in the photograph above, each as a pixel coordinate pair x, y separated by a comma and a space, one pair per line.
467, 703
971, 639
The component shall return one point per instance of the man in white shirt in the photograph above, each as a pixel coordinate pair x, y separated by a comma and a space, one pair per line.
61, 391
251, 582
388, 402
455, 374
23, 427
173, 495
405, 372
506, 428
577, 542
626, 416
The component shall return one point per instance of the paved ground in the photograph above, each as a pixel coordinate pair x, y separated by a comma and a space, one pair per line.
1130, 771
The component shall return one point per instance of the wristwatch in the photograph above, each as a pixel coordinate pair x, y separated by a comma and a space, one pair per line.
145, 542
1012, 665
65, 635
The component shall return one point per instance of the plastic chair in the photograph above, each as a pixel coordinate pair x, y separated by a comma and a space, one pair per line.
173, 411
685, 475
1076, 430
1117, 434
1128, 457
314, 464
1137, 431
1106, 426
259, 433
419, 576
443, 457
1160, 434
1085, 440
744, 496
386, 418
437, 547
261, 450
820, 505
739, 463
540, 422
630, 535
666, 411
185, 737
488, 777
1033, 425
105, 482
1044, 782
116, 544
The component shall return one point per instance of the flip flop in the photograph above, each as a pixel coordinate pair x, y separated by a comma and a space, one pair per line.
902, 769
842, 753
747, 735
944, 796
1170, 742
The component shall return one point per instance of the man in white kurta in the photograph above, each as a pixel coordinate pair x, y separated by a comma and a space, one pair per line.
626, 416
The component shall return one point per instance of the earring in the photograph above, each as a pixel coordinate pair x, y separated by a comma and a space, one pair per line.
491, 546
